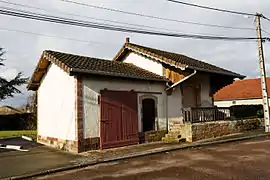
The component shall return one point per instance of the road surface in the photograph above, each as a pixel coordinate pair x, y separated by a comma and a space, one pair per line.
240, 160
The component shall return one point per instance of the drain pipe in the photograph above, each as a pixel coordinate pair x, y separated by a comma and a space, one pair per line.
167, 101
182, 80
167, 114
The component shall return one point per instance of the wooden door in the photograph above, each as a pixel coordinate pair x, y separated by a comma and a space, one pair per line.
119, 119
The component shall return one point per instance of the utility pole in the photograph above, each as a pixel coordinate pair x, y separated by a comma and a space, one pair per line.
263, 74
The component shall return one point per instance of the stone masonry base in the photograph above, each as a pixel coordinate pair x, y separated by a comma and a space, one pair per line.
198, 131
69, 145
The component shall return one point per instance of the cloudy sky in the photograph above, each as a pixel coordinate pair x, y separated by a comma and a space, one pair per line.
23, 49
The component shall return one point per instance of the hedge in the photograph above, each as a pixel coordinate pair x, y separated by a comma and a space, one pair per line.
247, 111
17, 122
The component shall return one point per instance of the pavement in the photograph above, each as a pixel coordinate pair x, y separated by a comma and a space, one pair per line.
247, 159
38, 158
41, 160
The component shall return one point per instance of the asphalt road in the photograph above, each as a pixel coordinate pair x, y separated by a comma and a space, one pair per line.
241, 160
37, 158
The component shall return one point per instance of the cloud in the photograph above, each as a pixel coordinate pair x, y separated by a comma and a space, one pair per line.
24, 50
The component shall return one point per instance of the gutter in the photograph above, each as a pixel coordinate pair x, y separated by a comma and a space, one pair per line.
102, 73
182, 80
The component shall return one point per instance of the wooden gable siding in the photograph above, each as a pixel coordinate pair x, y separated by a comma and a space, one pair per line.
175, 76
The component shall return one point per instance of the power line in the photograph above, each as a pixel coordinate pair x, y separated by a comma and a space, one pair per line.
156, 17
265, 18
59, 20
214, 9
88, 17
50, 36
265, 32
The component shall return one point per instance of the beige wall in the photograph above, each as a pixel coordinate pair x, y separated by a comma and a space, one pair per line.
202, 80
91, 91
175, 107
56, 105
144, 63
238, 102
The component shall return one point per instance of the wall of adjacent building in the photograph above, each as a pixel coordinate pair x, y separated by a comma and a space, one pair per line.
56, 105
238, 102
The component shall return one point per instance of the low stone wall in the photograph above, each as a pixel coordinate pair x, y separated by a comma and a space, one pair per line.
199, 131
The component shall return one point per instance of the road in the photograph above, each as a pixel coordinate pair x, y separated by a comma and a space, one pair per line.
241, 160
38, 158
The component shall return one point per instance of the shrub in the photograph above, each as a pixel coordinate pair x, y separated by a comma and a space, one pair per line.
247, 111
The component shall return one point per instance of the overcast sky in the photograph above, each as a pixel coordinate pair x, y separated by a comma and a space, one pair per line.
23, 50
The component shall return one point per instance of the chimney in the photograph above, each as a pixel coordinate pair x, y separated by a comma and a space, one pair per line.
127, 40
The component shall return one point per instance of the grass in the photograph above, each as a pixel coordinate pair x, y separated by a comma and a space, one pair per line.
9, 134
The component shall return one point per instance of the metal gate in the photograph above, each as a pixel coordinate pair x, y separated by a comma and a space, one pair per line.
119, 119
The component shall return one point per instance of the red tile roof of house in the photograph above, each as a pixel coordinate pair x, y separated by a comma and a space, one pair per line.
242, 89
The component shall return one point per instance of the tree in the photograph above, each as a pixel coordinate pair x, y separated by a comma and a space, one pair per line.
9, 88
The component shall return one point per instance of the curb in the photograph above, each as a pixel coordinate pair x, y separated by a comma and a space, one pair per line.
151, 152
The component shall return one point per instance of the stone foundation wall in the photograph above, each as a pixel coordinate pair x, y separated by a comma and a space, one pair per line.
69, 145
153, 136
199, 131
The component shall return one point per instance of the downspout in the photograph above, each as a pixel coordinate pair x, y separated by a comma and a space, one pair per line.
169, 88
167, 114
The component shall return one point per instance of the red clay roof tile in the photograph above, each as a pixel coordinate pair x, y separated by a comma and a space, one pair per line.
242, 89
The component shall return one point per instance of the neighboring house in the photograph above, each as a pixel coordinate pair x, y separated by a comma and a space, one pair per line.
241, 92
8, 110
12, 119
88, 103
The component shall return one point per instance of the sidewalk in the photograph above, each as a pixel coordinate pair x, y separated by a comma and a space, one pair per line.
110, 155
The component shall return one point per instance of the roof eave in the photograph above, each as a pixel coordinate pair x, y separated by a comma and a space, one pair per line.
84, 71
235, 75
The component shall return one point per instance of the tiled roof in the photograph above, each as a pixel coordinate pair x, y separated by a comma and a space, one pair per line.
104, 67
176, 59
8, 110
87, 65
242, 89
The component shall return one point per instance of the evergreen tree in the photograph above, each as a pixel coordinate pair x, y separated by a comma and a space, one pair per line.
9, 88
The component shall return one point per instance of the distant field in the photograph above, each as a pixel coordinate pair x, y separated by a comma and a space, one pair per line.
8, 134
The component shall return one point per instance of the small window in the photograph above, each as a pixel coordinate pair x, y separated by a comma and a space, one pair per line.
233, 102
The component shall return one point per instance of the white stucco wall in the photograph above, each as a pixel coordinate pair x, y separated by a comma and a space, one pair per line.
56, 105
92, 89
238, 102
144, 63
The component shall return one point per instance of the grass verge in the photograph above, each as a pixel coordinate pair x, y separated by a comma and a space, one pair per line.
10, 134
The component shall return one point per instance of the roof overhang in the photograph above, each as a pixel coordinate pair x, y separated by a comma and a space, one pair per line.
42, 68
74, 71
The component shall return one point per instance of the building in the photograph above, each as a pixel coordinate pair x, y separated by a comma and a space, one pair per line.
241, 92
88, 103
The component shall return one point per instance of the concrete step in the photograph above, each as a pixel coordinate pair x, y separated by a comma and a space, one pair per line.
167, 140
172, 140
174, 136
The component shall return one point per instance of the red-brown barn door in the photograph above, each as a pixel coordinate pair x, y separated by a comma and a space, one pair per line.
119, 119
